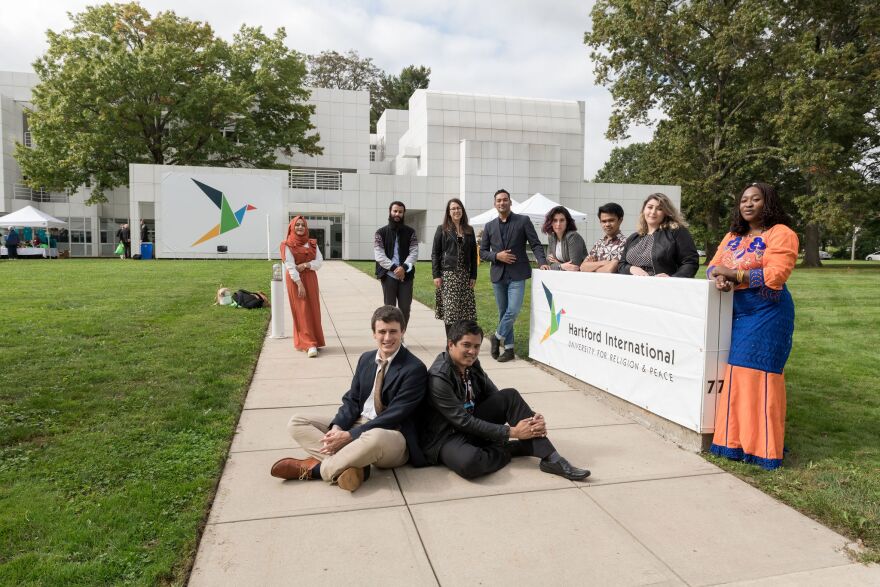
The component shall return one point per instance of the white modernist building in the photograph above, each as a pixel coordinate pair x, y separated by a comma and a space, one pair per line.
446, 145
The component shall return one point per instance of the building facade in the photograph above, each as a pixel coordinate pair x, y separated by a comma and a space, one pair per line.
446, 145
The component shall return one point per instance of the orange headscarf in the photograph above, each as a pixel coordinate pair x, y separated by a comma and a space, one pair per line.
297, 244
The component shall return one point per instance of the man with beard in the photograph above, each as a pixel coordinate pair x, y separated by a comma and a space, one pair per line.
396, 250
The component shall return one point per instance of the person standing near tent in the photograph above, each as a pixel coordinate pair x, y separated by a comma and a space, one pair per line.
126, 240
454, 266
504, 245
12, 240
302, 258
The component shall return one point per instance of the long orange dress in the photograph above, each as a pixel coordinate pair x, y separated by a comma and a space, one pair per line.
750, 409
307, 330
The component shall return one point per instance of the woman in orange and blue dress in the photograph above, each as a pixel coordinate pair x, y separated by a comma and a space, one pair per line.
755, 259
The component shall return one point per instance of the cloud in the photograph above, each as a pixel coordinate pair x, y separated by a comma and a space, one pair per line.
501, 47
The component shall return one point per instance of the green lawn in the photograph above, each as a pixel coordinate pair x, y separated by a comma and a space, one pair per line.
120, 388
832, 472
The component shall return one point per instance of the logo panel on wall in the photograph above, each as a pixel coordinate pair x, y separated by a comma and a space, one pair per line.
229, 220
555, 317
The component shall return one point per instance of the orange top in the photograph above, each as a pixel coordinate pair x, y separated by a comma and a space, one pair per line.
768, 258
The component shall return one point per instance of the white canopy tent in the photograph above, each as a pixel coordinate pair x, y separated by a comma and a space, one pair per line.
32, 218
535, 208
489, 215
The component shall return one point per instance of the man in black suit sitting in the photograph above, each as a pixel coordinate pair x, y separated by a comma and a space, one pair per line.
472, 427
504, 245
374, 425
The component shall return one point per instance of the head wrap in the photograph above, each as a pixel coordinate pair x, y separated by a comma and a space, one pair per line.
297, 244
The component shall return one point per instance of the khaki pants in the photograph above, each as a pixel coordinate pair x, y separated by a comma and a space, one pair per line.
384, 448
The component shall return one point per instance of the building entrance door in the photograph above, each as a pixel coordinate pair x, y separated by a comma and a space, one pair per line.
318, 235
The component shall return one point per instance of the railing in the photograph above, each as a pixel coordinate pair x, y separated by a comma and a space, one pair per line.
28, 141
315, 179
23, 192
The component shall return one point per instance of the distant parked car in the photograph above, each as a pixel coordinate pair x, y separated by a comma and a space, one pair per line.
701, 252
873, 256
824, 255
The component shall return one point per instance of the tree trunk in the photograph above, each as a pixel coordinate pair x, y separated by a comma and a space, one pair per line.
811, 246
712, 240
855, 239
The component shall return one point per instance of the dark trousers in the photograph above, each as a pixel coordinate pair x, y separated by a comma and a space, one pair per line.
12, 251
398, 293
127, 246
472, 457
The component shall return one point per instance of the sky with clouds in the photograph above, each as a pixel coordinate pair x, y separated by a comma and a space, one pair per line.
501, 47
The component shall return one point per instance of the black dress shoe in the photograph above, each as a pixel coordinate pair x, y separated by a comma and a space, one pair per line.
507, 355
564, 469
496, 346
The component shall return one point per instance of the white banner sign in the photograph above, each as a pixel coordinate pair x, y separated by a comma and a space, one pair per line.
657, 343
199, 212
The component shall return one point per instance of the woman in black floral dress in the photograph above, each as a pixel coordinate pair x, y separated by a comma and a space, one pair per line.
454, 266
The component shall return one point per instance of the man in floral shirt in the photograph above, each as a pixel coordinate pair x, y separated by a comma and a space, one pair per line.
606, 253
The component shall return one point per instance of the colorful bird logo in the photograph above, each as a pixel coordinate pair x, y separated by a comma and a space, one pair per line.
555, 317
228, 219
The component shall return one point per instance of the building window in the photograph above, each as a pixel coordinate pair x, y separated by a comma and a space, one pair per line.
315, 179
27, 140
372, 152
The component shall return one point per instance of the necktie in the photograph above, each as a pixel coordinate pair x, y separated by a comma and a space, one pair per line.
377, 388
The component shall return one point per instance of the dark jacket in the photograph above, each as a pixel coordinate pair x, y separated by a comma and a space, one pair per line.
407, 250
574, 249
402, 393
519, 231
673, 253
445, 414
445, 252
12, 239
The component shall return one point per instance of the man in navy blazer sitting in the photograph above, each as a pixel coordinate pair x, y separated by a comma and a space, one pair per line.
374, 425
504, 245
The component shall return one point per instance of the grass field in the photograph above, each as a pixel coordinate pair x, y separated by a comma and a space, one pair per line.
120, 388
832, 472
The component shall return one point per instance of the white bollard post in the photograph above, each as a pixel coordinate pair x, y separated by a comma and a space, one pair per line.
277, 292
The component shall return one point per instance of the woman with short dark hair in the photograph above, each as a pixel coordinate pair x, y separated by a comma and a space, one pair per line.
661, 245
566, 249
454, 266
755, 259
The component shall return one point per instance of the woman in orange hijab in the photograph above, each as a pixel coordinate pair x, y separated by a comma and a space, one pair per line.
302, 258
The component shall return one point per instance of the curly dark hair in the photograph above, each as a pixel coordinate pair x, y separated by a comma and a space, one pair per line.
772, 214
548, 220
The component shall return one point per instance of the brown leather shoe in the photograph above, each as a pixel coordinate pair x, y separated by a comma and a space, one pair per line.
351, 478
290, 468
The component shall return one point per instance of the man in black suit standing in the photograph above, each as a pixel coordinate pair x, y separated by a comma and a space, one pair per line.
473, 427
396, 250
374, 425
504, 245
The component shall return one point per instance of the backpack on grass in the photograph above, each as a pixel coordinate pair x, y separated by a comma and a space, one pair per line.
250, 300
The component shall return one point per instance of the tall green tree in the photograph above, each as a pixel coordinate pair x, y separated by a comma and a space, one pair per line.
121, 86
350, 71
828, 91
630, 164
781, 91
395, 90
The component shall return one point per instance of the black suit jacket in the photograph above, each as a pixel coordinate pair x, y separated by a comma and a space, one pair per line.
402, 393
519, 232
673, 253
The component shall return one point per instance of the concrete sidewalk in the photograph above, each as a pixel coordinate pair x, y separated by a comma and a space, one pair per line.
651, 513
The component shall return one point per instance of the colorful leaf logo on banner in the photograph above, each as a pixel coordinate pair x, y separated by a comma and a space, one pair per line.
229, 220
555, 317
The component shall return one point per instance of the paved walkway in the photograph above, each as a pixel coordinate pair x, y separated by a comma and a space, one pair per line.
651, 513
